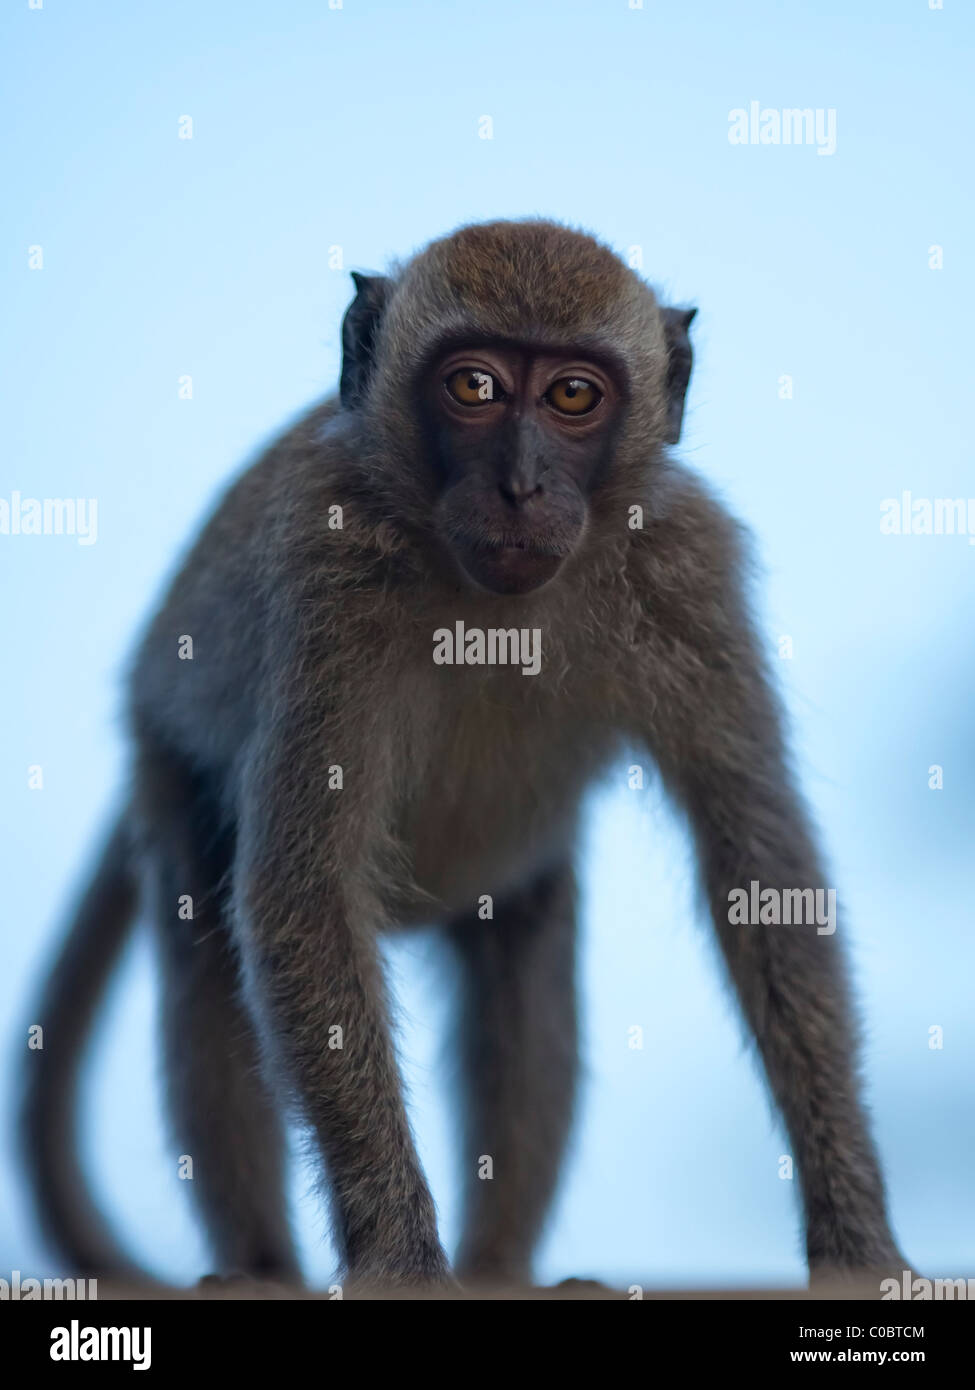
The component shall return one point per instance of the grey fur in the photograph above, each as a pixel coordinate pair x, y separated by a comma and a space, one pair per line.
313, 649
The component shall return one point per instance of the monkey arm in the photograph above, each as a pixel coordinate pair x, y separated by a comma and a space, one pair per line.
717, 733
306, 922
792, 986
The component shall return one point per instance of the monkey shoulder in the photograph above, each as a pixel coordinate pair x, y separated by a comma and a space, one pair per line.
203, 647
691, 558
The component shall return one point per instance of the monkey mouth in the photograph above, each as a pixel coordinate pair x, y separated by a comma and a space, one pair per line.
513, 565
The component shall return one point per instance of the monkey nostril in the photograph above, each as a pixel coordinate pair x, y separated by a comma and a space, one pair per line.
517, 493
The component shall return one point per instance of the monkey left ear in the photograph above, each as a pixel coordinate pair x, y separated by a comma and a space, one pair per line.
679, 359
359, 329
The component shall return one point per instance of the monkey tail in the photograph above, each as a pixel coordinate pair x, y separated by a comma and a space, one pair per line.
67, 1009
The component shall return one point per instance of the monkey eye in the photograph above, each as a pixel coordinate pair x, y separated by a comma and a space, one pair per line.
573, 395
471, 386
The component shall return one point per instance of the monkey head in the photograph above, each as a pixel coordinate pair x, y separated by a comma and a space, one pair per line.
514, 378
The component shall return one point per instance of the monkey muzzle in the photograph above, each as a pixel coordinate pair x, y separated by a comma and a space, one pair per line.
512, 568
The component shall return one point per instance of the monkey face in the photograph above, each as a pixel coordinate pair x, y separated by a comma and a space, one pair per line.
520, 436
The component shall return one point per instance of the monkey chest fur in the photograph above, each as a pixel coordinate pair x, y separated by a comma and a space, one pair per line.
493, 777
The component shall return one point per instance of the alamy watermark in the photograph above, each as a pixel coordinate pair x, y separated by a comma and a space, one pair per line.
756, 906
493, 646
920, 1290
77, 1343
908, 515
50, 516
792, 125
17, 1289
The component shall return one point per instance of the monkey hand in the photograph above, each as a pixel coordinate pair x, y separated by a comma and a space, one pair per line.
862, 1279
423, 1269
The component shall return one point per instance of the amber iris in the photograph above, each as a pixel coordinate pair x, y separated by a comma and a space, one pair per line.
573, 396
471, 386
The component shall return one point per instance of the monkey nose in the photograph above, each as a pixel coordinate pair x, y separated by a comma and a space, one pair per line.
518, 490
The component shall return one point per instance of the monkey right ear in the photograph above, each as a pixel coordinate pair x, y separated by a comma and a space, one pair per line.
679, 359
359, 329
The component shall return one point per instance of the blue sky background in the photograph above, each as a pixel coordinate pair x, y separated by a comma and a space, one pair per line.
358, 128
